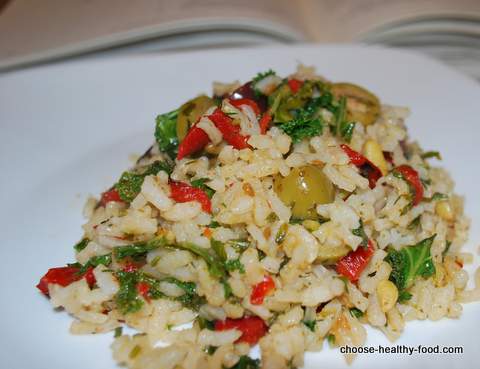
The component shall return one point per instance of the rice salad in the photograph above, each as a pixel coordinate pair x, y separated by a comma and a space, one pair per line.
284, 212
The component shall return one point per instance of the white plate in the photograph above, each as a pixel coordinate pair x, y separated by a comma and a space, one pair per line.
67, 131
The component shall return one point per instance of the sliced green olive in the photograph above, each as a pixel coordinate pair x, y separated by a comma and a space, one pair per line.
330, 254
303, 189
189, 113
362, 105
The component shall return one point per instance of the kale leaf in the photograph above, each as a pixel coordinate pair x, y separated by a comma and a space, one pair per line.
307, 123
139, 249
410, 262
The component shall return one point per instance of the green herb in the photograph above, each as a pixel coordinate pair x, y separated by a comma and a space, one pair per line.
214, 224
295, 221
95, 261
342, 127
232, 265
117, 332
310, 324
219, 249
426, 182
166, 133
130, 183
138, 249
200, 183
155, 261
81, 244
215, 265
239, 245
438, 196
190, 298
431, 154
263, 75
246, 362
410, 262
414, 223
404, 296
127, 298
360, 232
205, 323
356, 313
282, 233
307, 123
227, 289
331, 339
272, 217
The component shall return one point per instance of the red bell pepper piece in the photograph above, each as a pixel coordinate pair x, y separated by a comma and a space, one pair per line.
355, 262
183, 192
110, 195
262, 289
411, 176
265, 122
249, 102
367, 168
64, 276
230, 132
252, 327
195, 140
295, 85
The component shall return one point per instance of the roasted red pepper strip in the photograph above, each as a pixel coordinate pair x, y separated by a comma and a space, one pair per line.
183, 192
354, 263
64, 276
143, 289
411, 176
195, 140
253, 328
295, 85
262, 289
230, 132
367, 168
110, 195
249, 102
265, 122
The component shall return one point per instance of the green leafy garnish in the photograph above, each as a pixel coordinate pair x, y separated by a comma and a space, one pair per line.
232, 265
343, 128
219, 249
215, 265
263, 75
79, 246
404, 296
415, 223
448, 244
356, 313
200, 183
282, 233
166, 133
331, 339
239, 245
310, 324
410, 262
246, 362
214, 224
360, 232
438, 196
205, 323
117, 332
431, 154
130, 183
307, 123
138, 249
190, 299
127, 298
95, 261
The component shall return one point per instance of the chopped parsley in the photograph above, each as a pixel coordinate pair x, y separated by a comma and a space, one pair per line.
200, 183
232, 265
307, 123
431, 154
356, 313
360, 232
130, 183
139, 249
79, 246
246, 362
310, 324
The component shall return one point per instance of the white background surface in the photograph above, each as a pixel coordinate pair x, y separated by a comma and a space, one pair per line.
67, 130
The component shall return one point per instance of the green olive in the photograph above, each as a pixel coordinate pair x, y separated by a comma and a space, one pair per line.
362, 105
330, 254
189, 113
303, 189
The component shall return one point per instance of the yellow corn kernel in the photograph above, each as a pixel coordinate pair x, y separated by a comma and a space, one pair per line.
373, 152
387, 294
445, 210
